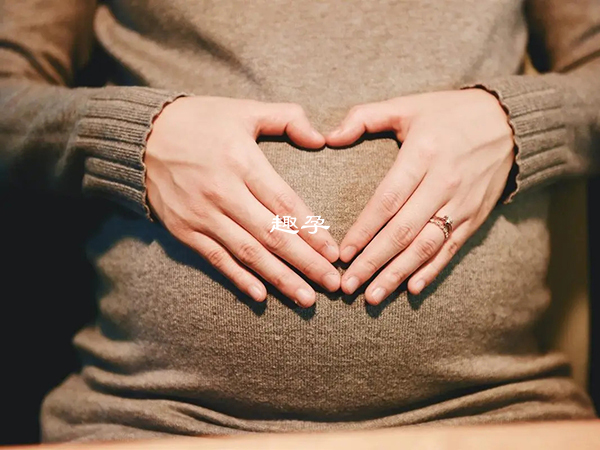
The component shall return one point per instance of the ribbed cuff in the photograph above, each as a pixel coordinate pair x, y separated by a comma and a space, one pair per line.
112, 134
535, 113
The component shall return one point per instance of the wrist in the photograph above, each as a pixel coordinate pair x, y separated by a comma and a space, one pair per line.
510, 186
158, 126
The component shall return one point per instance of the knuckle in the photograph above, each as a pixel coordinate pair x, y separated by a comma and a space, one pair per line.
216, 258
428, 146
284, 203
402, 235
309, 267
362, 235
427, 248
411, 175
397, 120
395, 276
452, 247
276, 241
239, 164
199, 212
202, 225
181, 224
324, 247
280, 280
390, 202
214, 194
370, 265
249, 253
450, 182
355, 112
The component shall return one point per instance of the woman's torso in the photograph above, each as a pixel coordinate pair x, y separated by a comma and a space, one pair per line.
177, 349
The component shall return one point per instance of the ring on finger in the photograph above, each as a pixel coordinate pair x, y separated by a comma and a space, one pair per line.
443, 223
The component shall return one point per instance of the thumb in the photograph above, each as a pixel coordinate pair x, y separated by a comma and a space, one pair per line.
367, 118
275, 119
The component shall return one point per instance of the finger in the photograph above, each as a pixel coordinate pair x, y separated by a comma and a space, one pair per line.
222, 260
425, 246
369, 118
397, 186
431, 269
397, 235
278, 118
252, 215
279, 198
252, 254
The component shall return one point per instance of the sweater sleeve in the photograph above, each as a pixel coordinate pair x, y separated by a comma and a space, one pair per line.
555, 116
54, 136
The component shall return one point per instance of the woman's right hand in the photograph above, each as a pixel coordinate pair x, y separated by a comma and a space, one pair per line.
213, 188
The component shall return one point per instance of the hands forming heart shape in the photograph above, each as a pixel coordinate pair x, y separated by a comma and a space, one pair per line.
213, 188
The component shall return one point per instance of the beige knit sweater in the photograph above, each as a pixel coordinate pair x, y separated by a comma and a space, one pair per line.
176, 349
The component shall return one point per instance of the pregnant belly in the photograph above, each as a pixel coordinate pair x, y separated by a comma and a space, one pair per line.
171, 327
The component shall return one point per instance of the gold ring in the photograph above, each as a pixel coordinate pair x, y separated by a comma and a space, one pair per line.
444, 224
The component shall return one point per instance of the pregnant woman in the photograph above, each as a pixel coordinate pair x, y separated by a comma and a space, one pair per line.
219, 117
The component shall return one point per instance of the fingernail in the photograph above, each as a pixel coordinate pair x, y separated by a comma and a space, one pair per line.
419, 285
256, 293
331, 281
304, 297
348, 253
331, 252
378, 295
351, 285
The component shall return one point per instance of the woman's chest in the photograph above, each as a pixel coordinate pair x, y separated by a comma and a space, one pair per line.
327, 52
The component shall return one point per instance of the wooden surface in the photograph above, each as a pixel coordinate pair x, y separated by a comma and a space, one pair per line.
547, 436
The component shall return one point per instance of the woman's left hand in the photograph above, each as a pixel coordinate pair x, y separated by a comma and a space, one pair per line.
455, 158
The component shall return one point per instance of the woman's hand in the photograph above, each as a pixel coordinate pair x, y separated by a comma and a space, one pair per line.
214, 190
456, 154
